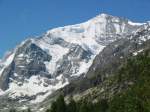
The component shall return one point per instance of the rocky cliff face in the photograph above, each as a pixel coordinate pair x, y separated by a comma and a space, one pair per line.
98, 81
40, 66
120, 50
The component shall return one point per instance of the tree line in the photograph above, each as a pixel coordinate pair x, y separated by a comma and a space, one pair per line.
135, 98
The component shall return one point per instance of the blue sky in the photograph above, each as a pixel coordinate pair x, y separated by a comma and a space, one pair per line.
20, 19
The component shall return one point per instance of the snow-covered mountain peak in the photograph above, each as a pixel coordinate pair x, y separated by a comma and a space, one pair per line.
104, 15
101, 29
57, 57
100, 21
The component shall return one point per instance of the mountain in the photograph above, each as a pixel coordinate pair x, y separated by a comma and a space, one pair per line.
126, 91
110, 60
114, 71
65, 56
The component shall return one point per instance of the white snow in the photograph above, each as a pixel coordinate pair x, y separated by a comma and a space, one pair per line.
84, 66
1, 92
7, 62
50, 89
56, 51
81, 33
9, 59
33, 86
136, 53
135, 24
24, 107
144, 38
30, 88
15, 74
20, 55
118, 29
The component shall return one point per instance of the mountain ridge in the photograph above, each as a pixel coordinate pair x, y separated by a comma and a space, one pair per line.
58, 57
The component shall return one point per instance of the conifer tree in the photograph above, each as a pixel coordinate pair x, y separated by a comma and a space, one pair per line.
61, 105
29, 110
53, 107
72, 107
12, 110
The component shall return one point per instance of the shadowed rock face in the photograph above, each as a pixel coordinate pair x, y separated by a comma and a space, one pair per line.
7, 73
29, 60
110, 58
107, 62
67, 67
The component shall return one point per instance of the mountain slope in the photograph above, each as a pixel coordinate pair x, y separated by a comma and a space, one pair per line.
101, 80
131, 86
58, 57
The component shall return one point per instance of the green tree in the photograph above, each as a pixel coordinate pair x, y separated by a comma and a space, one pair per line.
29, 110
86, 106
83, 108
72, 107
137, 97
12, 110
53, 107
48, 110
102, 105
61, 105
